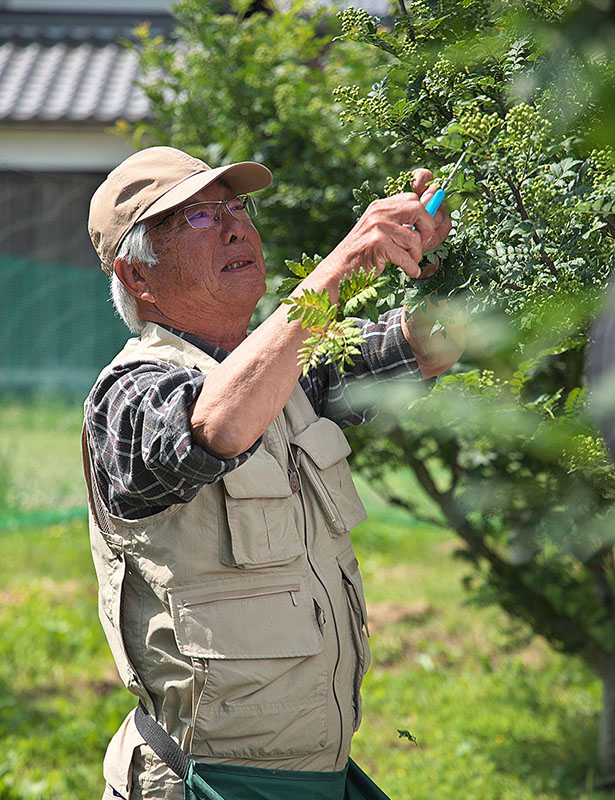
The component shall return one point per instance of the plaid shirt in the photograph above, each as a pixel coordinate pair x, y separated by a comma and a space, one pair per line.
138, 418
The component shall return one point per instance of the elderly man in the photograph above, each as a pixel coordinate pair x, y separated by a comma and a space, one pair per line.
220, 497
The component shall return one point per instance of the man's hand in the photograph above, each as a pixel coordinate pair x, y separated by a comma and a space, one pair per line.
425, 189
395, 229
434, 353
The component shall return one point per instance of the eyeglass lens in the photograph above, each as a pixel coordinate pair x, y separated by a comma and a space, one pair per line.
207, 214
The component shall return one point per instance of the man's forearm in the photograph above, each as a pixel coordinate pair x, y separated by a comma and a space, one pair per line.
243, 395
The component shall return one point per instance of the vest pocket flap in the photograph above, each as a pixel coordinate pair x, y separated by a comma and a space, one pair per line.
323, 463
271, 616
350, 570
259, 476
324, 442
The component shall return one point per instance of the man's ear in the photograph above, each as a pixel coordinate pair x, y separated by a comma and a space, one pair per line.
133, 278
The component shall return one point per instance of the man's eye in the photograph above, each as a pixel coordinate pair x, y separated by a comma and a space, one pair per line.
200, 217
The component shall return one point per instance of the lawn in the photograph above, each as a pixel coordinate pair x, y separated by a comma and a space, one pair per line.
495, 716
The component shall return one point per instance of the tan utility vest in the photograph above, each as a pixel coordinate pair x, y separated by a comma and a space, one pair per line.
239, 617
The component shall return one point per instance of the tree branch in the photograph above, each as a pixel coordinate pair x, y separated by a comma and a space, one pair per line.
514, 286
410, 509
552, 624
544, 257
605, 590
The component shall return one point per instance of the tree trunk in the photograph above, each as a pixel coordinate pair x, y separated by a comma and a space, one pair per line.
606, 740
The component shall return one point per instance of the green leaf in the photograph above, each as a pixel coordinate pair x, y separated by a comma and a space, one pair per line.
403, 734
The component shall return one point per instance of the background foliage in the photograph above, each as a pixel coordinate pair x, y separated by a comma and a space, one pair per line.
498, 447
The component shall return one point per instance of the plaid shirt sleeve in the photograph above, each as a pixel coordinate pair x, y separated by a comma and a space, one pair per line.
385, 354
138, 422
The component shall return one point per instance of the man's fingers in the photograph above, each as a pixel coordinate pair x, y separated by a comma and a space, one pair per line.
429, 269
425, 224
403, 259
401, 208
407, 238
421, 178
407, 209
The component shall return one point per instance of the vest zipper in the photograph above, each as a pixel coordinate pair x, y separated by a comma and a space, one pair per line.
242, 594
326, 502
326, 591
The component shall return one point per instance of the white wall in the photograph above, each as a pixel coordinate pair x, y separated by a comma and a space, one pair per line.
61, 150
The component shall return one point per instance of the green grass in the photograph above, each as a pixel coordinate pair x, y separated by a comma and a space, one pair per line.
60, 699
495, 718
40, 456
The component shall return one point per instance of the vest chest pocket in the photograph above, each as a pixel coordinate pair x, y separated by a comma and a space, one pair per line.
266, 688
262, 530
322, 451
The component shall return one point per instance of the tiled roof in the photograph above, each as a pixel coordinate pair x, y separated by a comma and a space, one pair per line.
50, 26
76, 83
70, 68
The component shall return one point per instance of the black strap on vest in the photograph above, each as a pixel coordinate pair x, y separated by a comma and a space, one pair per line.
161, 743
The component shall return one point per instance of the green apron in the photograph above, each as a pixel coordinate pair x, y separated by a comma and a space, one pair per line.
222, 782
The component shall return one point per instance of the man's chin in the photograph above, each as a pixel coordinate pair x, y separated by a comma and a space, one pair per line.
249, 292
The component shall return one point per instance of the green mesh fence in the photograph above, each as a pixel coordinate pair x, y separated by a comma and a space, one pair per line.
58, 327
12, 520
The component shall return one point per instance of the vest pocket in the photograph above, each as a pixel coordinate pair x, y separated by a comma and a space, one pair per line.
353, 588
322, 451
260, 514
266, 688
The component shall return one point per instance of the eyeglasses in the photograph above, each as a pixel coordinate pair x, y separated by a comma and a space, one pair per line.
207, 213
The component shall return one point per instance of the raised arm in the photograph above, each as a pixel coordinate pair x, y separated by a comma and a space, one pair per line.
242, 396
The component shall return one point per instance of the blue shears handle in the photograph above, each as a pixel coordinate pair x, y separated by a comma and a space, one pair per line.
435, 202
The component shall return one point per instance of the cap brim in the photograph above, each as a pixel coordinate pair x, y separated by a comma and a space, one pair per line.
245, 176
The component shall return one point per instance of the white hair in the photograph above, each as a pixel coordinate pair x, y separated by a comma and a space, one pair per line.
135, 247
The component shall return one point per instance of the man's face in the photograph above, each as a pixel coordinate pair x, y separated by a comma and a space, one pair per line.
207, 271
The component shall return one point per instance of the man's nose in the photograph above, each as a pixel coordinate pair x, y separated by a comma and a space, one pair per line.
232, 228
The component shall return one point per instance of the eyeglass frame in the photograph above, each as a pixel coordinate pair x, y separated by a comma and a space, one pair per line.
217, 219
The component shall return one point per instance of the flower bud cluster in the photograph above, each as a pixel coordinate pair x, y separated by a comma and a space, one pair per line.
350, 96
402, 183
525, 123
477, 125
355, 21
585, 451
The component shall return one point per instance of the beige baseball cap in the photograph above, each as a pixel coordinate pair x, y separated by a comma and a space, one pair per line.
154, 180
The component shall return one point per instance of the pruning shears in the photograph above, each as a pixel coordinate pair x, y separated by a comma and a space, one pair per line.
434, 203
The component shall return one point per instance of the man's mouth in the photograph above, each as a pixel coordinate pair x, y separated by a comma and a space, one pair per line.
236, 265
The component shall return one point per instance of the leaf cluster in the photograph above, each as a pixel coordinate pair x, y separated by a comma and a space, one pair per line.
334, 338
